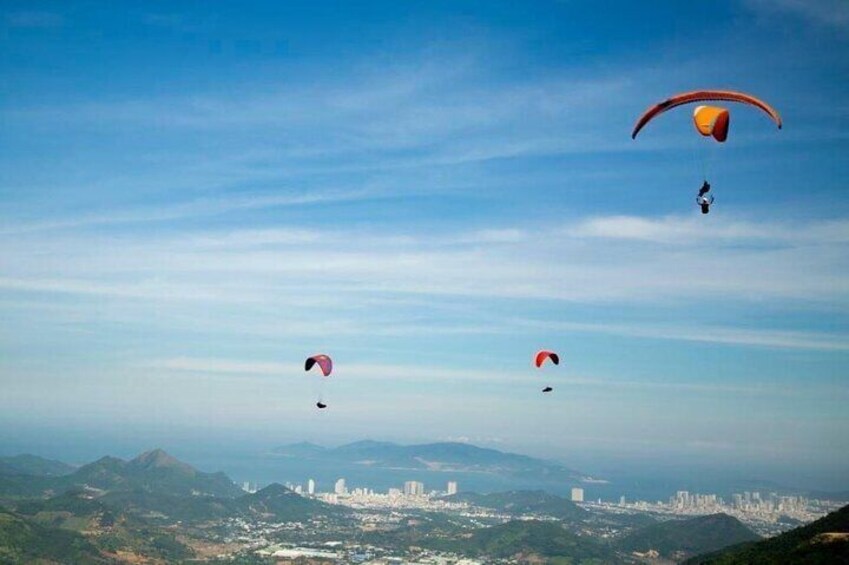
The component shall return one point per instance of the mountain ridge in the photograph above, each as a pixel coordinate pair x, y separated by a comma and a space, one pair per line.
449, 457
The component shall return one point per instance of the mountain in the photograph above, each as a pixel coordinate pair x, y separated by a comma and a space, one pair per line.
24, 541
152, 471
520, 502
530, 541
33, 465
677, 539
824, 541
439, 457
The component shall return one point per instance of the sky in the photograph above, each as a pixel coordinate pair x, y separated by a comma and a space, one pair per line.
194, 197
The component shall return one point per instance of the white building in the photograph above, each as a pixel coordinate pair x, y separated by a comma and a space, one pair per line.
452, 487
413, 488
577, 494
340, 487
310, 486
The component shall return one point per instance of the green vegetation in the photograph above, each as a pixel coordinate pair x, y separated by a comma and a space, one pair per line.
529, 540
681, 538
107, 528
23, 541
283, 505
824, 541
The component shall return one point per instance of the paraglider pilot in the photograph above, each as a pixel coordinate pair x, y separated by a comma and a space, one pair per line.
704, 199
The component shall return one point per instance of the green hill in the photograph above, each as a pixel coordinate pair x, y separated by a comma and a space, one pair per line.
520, 502
24, 541
33, 465
823, 541
529, 541
275, 502
281, 504
677, 539
106, 527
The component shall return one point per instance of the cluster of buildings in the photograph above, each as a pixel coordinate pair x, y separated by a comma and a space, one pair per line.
340, 489
767, 514
412, 495
744, 502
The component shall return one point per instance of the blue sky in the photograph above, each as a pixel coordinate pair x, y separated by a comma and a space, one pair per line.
193, 198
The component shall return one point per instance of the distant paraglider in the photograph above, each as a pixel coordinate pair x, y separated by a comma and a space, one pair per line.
709, 121
541, 357
325, 365
324, 362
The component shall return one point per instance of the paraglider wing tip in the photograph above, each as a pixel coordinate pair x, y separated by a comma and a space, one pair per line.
555, 358
308, 364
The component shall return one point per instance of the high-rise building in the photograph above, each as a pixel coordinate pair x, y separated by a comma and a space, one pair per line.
577, 494
246, 486
310, 486
299, 489
394, 492
340, 487
621, 501
413, 488
452, 487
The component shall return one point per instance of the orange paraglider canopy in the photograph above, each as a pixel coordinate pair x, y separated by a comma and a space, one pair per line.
712, 121
704, 96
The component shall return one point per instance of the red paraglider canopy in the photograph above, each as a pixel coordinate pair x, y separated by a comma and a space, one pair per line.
704, 96
541, 356
323, 361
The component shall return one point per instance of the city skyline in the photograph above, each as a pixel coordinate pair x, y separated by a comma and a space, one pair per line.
196, 199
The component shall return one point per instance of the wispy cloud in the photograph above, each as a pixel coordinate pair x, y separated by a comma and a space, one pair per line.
645, 261
196, 208
35, 19
832, 13
387, 374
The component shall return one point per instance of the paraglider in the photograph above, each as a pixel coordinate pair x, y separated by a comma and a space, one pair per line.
709, 121
541, 357
325, 365
704, 199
